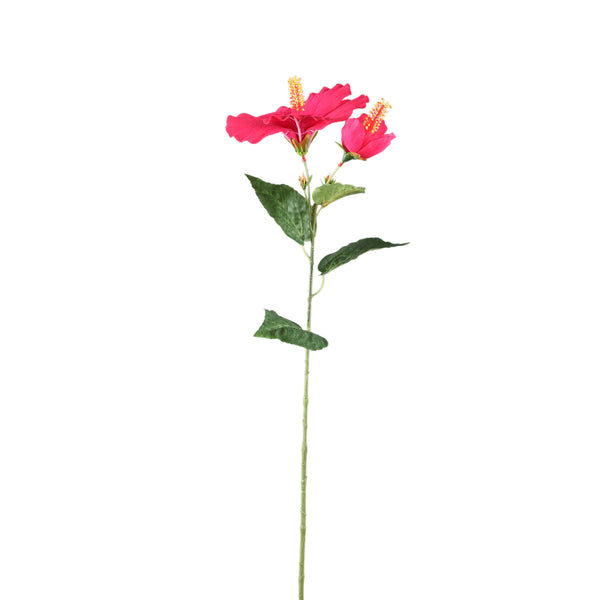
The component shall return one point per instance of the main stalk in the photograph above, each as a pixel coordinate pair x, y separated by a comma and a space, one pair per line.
313, 231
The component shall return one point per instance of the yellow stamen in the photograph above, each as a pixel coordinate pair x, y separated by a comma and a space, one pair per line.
374, 118
296, 93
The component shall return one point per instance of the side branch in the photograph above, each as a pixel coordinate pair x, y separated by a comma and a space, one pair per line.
322, 284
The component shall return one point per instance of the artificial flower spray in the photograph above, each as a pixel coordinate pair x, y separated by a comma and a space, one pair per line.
297, 213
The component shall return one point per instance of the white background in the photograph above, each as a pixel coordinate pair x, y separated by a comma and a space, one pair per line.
150, 446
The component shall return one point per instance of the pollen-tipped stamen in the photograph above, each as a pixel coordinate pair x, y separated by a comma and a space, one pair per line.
374, 118
296, 93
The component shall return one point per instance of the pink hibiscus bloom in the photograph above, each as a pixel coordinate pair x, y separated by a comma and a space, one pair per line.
366, 136
300, 122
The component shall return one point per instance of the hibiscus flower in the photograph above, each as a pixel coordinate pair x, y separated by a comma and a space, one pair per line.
301, 121
366, 136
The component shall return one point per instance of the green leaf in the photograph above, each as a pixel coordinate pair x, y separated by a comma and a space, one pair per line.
275, 327
286, 206
352, 251
330, 192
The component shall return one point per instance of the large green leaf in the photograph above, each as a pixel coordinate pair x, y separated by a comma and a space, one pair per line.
352, 251
275, 327
286, 206
330, 192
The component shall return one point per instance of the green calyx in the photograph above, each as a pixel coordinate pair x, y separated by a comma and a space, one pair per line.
302, 147
349, 155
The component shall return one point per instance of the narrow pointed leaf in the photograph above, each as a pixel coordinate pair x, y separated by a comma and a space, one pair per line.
330, 192
275, 327
352, 251
286, 206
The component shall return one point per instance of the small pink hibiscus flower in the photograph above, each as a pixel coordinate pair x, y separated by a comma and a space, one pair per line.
366, 136
300, 122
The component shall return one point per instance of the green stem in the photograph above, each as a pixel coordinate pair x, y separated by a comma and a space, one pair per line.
313, 230
307, 178
336, 170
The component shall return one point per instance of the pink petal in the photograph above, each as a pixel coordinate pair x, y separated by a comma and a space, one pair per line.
376, 144
330, 103
326, 100
382, 128
353, 135
309, 123
346, 108
246, 128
